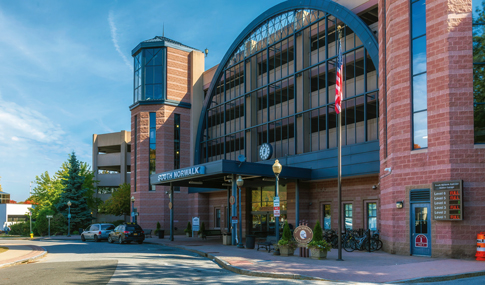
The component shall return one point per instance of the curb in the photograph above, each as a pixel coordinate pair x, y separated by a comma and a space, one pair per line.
225, 265
25, 260
441, 278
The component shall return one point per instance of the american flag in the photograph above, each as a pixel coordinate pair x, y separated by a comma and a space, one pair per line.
339, 83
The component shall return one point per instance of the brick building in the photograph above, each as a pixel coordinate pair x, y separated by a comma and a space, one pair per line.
412, 122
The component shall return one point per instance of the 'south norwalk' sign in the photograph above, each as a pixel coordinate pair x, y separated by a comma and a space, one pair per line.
181, 173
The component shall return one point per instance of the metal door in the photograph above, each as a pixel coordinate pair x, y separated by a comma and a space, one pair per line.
420, 229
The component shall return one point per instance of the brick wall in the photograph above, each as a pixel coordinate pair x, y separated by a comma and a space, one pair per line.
451, 153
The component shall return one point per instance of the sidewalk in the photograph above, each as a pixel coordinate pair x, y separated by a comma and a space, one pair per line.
357, 266
19, 253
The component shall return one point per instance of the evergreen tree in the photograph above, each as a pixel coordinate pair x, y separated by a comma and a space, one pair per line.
286, 232
74, 191
317, 232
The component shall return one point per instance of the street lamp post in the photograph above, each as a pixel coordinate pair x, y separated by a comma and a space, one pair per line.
69, 219
277, 170
133, 209
240, 183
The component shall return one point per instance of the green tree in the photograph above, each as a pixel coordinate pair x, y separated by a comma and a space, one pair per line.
317, 232
42, 223
46, 193
73, 191
286, 232
1, 185
88, 184
119, 202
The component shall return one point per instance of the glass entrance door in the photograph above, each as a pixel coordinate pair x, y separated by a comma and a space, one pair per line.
420, 229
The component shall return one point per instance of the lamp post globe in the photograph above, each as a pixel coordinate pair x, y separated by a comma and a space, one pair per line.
69, 219
277, 167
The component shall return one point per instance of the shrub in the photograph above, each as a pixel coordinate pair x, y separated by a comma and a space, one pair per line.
41, 222
158, 228
22, 229
189, 228
118, 222
75, 232
202, 228
286, 239
318, 242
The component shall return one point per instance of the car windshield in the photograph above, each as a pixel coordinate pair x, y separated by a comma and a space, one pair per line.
107, 227
132, 228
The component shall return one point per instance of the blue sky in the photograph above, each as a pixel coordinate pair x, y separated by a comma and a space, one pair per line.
66, 70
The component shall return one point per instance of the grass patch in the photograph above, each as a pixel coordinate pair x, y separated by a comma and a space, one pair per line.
3, 249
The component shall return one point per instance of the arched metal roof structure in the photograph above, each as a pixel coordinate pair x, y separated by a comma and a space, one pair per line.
345, 15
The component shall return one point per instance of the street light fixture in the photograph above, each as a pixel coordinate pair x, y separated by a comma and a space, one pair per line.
277, 170
69, 219
240, 183
133, 208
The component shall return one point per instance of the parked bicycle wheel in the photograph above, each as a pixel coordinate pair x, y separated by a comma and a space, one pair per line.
348, 245
378, 244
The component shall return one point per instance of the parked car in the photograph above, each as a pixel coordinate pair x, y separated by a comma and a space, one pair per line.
97, 232
127, 233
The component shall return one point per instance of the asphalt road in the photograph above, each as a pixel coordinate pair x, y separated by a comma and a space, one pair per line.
76, 262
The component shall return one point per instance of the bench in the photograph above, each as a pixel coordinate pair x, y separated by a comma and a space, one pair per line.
211, 233
148, 233
267, 244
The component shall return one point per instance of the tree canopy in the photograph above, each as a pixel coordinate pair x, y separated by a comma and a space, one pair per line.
119, 202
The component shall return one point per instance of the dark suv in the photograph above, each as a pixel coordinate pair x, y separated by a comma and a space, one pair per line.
127, 233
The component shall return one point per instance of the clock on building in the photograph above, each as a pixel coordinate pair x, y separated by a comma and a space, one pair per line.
265, 151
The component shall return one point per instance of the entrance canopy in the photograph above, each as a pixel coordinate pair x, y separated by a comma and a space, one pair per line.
216, 175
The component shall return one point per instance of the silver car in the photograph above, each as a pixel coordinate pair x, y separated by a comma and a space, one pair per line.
97, 232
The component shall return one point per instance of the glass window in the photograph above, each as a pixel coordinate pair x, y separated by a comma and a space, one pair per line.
418, 18
372, 216
259, 96
421, 220
149, 74
107, 227
218, 218
153, 146
95, 228
419, 78
420, 127
327, 217
348, 216
176, 141
136, 150
479, 70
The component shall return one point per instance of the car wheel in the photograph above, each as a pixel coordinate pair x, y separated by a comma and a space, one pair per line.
83, 238
110, 240
120, 241
96, 239
140, 242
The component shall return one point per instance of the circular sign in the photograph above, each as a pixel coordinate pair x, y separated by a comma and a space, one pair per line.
232, 200
265, 151
303, 234
170, 205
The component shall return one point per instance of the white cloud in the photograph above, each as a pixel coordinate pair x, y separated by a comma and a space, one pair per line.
114, 38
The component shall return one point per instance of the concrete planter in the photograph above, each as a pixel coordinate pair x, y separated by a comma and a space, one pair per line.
226, 240
317, 254
188, 234
286, 250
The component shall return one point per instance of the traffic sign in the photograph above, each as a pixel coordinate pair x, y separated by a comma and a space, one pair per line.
234, 220
49, 216
276, 201
276, 213
195, 224
232, 200
276, 208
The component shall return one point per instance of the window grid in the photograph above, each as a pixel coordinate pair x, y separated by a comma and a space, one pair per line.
372, 216
419, 75
231, 127
176, 141
153, 146
348, 216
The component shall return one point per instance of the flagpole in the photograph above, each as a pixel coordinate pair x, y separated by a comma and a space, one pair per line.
339, 123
